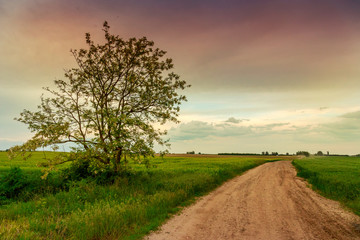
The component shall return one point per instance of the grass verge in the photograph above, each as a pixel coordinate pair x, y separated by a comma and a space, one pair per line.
337, 178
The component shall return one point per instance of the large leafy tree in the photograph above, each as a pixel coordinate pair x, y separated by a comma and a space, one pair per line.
109, 103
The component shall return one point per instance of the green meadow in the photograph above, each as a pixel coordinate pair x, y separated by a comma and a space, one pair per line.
32, 164
337, 178
128, 208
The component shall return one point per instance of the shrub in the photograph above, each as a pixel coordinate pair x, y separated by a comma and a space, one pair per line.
304, 153
23, 186
82, 169
12, 183
78, 170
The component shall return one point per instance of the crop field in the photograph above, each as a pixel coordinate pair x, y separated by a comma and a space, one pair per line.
337, 178
126, 209
30, 165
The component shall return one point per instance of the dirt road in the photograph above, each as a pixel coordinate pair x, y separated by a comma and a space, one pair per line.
268, 202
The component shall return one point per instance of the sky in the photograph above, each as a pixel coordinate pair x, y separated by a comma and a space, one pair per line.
278, 76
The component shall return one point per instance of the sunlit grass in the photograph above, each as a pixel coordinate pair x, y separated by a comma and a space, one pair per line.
29, 165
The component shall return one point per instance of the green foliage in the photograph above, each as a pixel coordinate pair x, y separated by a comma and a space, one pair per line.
109, 104
319, 153
335, 177
127, 209
83, 169
12, 183
303, 153
78, 170
20, 186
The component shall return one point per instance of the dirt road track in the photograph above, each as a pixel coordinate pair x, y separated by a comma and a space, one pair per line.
268, 202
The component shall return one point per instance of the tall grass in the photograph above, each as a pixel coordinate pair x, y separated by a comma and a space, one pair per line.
127, 209
337, 178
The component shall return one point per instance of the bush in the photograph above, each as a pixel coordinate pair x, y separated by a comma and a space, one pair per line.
82, 169
78, 170
12, 183
319, 153
17, 185
303, 153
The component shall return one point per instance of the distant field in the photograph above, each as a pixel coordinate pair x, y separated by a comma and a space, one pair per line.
127, 209
337, 178
32, 164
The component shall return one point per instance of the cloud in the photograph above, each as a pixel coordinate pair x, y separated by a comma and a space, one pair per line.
237, 45
352, 115
281, 137
271, 126
345, 128
234, 120
341, 129
248, 57
200, 130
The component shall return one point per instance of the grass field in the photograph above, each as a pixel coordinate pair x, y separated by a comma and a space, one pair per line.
337, 178
127, 209
32, 164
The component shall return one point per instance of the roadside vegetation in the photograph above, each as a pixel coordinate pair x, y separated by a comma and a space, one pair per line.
337, 178
69, 205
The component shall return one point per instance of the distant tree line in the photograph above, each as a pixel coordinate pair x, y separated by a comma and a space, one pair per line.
298, 153
192, 152
268, 154
240, 154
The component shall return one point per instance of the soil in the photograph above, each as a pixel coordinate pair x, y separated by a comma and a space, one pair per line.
267, 202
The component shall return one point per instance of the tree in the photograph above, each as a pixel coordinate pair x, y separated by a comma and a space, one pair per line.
108, 104
319, 153
304, 153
